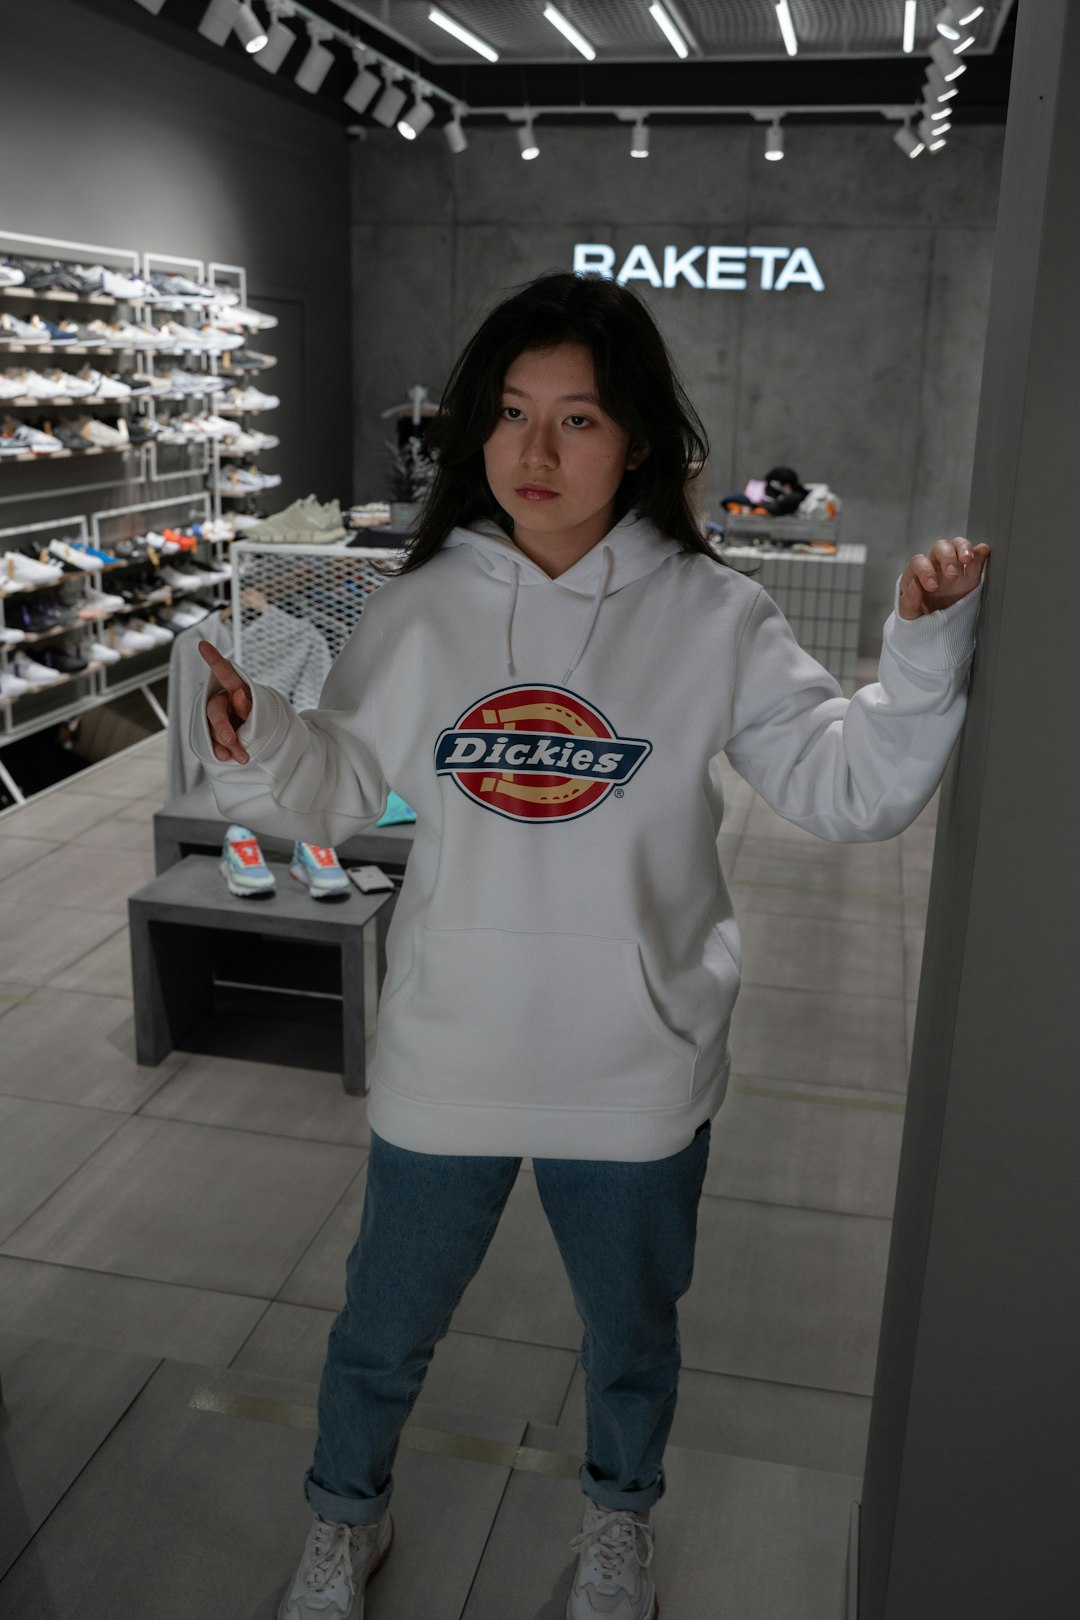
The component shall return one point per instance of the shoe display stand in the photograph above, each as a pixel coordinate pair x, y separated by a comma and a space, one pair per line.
819, 595
130, 471
186, 917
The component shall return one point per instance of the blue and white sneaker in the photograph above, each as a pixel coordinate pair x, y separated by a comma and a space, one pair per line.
243, 867
318, 868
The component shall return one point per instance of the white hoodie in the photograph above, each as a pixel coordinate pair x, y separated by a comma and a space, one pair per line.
563, 959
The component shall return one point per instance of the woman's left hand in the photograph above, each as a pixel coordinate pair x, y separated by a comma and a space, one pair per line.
953, 568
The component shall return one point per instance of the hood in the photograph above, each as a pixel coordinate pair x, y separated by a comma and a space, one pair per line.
634, 547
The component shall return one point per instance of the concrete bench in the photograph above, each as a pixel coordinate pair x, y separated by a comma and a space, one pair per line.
173, 979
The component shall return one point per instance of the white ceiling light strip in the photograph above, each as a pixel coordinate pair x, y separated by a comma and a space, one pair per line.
787, 27
568, 31
473, 41
668, 28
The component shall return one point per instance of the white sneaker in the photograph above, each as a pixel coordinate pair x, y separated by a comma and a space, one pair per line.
102, 654
11, 686
101, 602
336, 1565
36, 674
133, 641
158, 634
76, 559
14, 564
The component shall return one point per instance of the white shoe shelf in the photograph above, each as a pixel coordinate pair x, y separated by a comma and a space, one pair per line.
133, 471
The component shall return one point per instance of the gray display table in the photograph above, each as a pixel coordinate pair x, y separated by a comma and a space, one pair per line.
173, 978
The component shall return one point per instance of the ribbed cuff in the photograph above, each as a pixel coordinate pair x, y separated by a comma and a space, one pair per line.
264, 729
939, 640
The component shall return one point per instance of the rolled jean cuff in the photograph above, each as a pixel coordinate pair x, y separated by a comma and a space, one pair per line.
348, 1510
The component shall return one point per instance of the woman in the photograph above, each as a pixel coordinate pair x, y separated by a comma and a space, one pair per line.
545, 682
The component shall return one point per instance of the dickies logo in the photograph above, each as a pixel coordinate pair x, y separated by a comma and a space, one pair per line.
537, 753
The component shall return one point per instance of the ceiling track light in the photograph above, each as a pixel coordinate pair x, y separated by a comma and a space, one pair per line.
787, 27
279, 39
568, 31
527, 139
153, 6
219, 20
774, 142
416, 119
946, 61
907, 142
671, 32
454, 134
364, 88
387, 110
639, 141
318, 61
252, 34
473, 41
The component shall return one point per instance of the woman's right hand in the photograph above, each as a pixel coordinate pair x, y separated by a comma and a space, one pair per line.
227, 707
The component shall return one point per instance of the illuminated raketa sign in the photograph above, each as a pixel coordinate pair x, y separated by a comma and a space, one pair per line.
721, 269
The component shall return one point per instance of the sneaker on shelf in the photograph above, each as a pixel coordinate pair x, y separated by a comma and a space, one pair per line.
68, 384
34, 385
191, 613
98, 603
105, 386
102, 435
19, 438
11, 686
215, 529
242, 866
251, 360
20, 333
100, 652
158, 633
129, 640
66, 552
318, 869
10, 637
11, 276
29, 670
16, 565
63, 661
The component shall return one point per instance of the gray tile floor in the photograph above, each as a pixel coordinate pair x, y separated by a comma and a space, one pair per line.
165, 1309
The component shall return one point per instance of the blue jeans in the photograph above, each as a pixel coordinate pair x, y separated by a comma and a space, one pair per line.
626, 1233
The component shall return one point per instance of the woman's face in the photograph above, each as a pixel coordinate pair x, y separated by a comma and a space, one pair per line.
552, 432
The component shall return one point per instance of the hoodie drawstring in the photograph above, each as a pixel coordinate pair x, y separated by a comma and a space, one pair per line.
514, 577
605, 575
601, 590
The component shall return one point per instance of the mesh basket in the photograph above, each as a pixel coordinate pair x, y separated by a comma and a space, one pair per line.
294, 608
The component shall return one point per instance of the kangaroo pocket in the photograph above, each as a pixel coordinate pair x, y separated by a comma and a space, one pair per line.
488, 1016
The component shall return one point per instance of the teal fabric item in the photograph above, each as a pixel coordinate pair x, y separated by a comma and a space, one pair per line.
396, 810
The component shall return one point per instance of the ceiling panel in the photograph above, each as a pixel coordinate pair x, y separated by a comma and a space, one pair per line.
623, 30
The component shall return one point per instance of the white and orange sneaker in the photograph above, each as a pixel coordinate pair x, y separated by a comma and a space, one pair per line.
243, 867
318, 868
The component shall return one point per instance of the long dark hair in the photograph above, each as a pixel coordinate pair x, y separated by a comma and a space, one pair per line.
635, 380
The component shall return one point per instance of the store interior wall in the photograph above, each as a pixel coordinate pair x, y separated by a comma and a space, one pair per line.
871, 386
135, 132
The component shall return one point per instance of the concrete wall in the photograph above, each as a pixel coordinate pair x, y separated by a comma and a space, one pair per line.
127, 130
871, 386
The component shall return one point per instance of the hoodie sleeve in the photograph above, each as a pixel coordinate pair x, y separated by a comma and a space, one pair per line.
312, 775
858, 769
